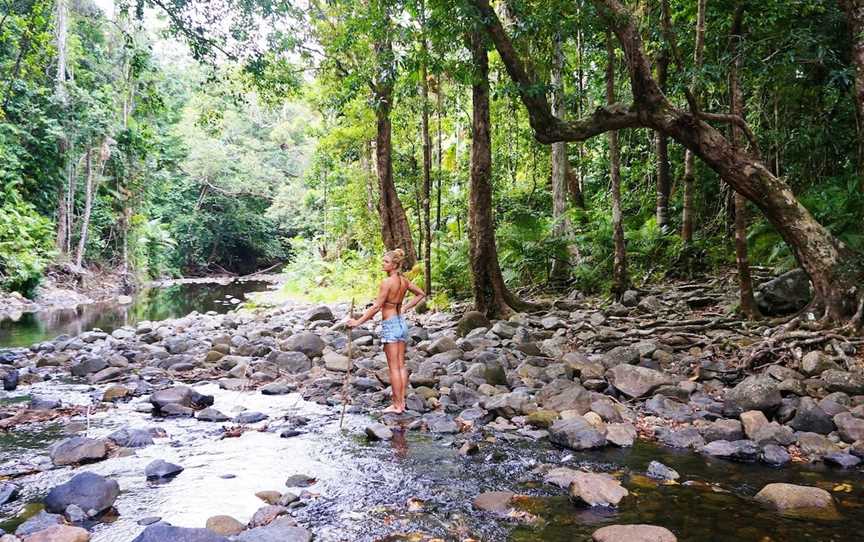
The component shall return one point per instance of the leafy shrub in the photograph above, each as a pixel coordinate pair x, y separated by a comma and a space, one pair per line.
26, 246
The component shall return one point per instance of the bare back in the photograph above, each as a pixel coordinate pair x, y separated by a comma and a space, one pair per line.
396, 287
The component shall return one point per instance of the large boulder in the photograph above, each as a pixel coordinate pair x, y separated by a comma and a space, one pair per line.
88, 366
633, 533
78, 450
470, 321
333, 361
577, 434
319, 313
810, 417
280, 530
845, 381
128, 437
596, 489
788, 293
790, 497
851, 429
738, 450
754, 393
573, 397
88, 491
634, 381
161, 532
183, 396
290, 362
306, 342
160, 469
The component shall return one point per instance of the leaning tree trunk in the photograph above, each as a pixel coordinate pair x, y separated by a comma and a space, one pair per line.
395, 231
689, 158
836, 271
619, 264
560, 272
854, 10
745, 282
491, 296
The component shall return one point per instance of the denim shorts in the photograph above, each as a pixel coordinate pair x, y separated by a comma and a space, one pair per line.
394, 329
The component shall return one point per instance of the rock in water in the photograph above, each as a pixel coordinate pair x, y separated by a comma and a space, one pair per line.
633, 533
494, 501
90, 492
576, 433
8, 492
162, 532
78, 450
182, 396
790, 497
378, 431
59, 533
162, 470
225, 525
211, 415
596, 489
659, 471
131, 438
39, 522
281, 530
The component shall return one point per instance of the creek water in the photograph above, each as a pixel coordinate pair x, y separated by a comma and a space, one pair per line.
413, 488
151, 304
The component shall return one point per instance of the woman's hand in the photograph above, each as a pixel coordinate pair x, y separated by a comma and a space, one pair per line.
352, 322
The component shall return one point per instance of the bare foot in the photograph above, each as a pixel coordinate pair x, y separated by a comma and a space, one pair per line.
392, 409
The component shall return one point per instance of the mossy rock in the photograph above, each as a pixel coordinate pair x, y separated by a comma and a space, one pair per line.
472, 320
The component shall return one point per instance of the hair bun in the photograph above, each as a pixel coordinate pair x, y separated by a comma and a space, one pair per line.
396, 256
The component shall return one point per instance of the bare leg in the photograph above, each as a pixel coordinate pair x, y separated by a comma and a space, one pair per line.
403, 373
391, 350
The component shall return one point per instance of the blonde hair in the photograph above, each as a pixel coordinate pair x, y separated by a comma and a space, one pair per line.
396, 256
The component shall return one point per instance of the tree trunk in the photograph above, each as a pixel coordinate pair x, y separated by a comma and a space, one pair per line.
560, 272
661, 142
619, 264
854, 10
89, 189
491, 296
427, 160
836, 272
438, 114
61, 32
395, 231
689, 159
745, 282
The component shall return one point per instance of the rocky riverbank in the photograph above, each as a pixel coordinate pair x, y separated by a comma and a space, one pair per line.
667, 365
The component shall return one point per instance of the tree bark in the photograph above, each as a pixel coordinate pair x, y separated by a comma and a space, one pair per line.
619, 264
60, 92
746, 302
689, 158
427, 157
491, 295
836, 272
89, 189
854, 10
560, 272
661, 141
395, 231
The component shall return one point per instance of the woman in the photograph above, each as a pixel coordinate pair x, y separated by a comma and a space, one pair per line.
394, 330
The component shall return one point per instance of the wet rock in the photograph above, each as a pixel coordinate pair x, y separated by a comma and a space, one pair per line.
622, 435
470, 321
738, 450
266, 514
670, 409
299, 480
634, 381
131, 438
785, 294
845, 381
620, 355
723, 429
442, 425
211, 415
754, 393
791, 497
633, 533
494, 501
162, 470
378, 431
181, 396
161, 532
577, 434
307, 342
851, 429
90, 492
78, 450
319, 313
224, 525
596, 489
775, 455
8, 492
41, 521
659, 471
815, 444
684, 437
59, 533
843, 460
249, 417
560, 476
281, 530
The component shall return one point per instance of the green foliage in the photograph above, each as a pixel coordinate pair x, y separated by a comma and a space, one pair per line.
26, 246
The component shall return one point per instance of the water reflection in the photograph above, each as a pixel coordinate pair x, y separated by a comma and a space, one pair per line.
153, 304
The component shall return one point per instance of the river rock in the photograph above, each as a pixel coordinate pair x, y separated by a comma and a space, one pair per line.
775, 455
128, 437
90, 492
738, 450
88, 366
78, 450
277, 388
11, 377
442, 344
494, 501
378, 431
785, 294
281, 530
560, 476
634, 381
307, 342
843, 460
809, 416
596, 489
572, 397
659, 471
182, 396
108, 374
669, 409
470, 321
845, 381
633, 533
290, 362
211, 415
224, 525
39, 522
8, 492
723, 429
815, 363
162, 470
59, 533
620, 355
851, 428
576, 433
621, 434
683, 437
299, 480
249, 417
266, 514
790, 497
319, 313
334, 361
161, 532
754, 393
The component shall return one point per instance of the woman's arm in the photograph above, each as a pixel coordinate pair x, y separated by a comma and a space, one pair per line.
419, 296
371, 311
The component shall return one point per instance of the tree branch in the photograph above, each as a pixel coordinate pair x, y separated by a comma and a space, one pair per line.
191, 34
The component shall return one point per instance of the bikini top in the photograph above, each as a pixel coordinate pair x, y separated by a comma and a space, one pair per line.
398, 304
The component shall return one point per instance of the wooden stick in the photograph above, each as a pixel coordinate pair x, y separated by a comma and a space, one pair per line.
348, 372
